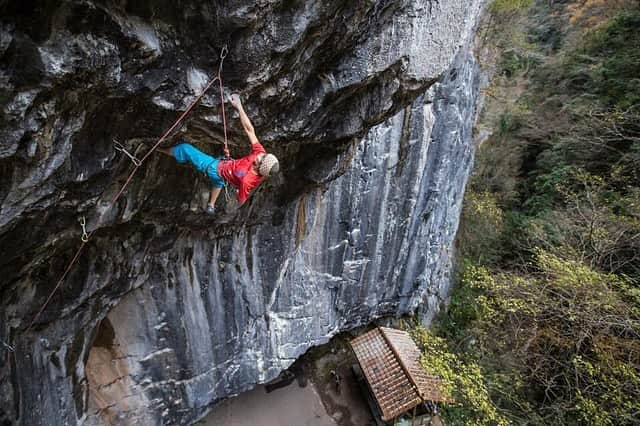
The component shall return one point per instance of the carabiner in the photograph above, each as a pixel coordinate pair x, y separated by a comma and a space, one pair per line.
85, 236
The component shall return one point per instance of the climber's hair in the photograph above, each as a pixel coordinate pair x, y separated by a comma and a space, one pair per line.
269, 165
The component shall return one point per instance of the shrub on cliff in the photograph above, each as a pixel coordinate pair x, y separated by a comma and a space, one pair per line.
564, 336
548, 302
608, 65
462, 381
502, 6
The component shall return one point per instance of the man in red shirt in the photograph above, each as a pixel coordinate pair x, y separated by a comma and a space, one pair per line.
245, 173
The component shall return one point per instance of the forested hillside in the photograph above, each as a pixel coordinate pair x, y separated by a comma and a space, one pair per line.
544, 325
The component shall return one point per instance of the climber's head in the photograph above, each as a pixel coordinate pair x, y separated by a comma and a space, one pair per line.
267, 164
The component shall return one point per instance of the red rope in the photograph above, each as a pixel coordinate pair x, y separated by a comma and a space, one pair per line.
75, 258
224, 119
66, 271
223, 55
166, 134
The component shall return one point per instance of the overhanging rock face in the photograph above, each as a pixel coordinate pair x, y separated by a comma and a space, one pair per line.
169, 311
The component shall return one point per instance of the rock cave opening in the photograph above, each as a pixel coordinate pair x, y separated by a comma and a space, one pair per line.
113, 394
107, 375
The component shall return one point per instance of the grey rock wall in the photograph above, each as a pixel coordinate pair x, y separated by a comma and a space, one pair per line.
168, 311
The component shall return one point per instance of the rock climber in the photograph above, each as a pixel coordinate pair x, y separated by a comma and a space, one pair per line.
245, 173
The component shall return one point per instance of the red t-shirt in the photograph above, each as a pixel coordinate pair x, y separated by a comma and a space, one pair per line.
239, 172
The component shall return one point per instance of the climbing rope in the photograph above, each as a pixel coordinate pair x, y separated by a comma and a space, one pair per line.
227, 155
85, 236
61, 280
223, 55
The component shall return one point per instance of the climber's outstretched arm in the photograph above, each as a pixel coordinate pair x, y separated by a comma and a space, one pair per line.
244, 119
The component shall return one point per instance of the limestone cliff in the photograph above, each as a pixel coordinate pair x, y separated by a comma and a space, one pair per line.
369, 106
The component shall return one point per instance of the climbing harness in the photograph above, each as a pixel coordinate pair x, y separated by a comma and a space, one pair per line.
120, 148
137, 164
226, 184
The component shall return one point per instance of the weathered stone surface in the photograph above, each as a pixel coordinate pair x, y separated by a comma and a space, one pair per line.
169, 310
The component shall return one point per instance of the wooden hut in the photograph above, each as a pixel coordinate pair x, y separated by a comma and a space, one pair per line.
390, 363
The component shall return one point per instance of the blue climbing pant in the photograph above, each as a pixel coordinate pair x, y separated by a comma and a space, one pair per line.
202, 162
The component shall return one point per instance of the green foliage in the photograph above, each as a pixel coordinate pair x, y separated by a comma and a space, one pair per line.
515, 62
548, 189
605, 69
464, 309
579, 215
615, 75
502, 6
566, 131
547, 306
481, 226
566, 332
508, 124
462, 382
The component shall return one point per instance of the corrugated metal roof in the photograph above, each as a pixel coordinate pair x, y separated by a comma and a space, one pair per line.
390, 361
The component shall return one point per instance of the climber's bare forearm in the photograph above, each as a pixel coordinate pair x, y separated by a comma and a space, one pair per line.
246, 123
248, 127
244, 119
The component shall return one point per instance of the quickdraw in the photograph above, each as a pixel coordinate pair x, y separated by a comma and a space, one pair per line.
120, 148
8, 346
84, 237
